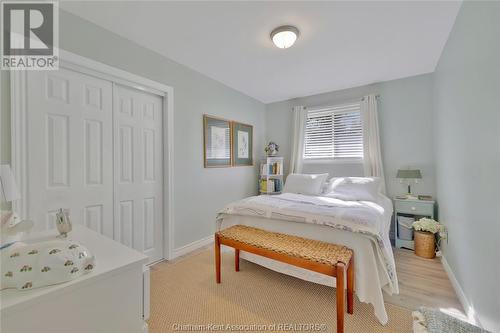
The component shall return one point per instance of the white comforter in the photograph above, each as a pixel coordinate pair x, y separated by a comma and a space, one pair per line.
361, 225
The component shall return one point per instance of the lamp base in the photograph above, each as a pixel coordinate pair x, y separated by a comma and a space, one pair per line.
409, 195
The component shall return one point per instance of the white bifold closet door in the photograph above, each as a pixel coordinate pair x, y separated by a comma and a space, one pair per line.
70, 146
138, 170
95, 148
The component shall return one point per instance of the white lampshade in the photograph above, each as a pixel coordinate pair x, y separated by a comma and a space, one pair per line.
8, 187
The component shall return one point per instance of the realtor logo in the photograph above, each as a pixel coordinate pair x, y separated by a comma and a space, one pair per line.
30, 35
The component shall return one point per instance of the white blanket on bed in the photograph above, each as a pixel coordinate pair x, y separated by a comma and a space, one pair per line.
368, 220
362, 217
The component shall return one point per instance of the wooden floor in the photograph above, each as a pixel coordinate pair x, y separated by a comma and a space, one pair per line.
422, 282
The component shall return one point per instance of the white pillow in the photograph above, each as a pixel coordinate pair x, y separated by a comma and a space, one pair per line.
354, 188
304, 183
327, 184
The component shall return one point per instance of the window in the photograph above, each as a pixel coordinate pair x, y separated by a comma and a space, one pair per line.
335, 133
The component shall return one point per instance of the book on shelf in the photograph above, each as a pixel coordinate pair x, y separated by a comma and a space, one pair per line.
277, 185
271, 185
263, 185
275, 168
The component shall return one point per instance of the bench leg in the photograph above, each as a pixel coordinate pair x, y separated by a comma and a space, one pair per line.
236, 260
217, 258
350, 286
340, 297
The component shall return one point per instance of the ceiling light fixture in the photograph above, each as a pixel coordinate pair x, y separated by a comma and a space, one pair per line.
284, 36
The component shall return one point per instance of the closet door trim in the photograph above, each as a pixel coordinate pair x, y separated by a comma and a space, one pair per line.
68, 60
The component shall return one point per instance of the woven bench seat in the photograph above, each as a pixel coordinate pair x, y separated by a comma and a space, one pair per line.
294, 246
318, 256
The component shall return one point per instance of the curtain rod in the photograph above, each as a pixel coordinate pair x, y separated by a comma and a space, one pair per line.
326, 107
377, 96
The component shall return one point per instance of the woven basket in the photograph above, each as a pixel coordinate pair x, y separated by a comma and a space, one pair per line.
425, 244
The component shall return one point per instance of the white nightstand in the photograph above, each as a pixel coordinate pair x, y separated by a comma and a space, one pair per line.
415, 207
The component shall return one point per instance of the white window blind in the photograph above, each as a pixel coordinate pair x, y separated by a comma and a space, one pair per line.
334, 133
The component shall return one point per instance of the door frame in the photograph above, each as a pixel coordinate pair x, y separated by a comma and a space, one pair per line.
74, 62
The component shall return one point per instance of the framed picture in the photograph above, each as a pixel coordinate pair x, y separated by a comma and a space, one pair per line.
242, 144
217, 148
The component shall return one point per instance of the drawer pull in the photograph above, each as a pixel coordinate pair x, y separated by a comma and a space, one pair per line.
413, 208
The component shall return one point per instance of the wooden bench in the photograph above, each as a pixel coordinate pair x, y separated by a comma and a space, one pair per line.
317, 256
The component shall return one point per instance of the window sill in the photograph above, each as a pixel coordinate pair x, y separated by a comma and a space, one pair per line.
332, 161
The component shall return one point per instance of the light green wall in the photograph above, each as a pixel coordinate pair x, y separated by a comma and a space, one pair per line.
467, 151
198, 192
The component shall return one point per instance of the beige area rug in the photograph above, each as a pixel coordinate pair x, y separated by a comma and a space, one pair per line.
185, 297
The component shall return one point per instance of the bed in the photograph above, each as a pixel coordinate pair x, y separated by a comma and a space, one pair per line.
361, 225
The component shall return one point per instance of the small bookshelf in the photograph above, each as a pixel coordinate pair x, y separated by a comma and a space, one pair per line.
271, 175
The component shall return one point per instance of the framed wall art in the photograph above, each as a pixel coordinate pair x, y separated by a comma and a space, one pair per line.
217, 148
242, 137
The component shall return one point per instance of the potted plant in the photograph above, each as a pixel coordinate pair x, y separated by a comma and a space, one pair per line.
425, 237
271, 149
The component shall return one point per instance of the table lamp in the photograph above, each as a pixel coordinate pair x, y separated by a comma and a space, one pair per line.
409, 175
8, 187
12, 226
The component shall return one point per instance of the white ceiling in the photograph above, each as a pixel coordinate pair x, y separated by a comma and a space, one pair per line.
341, 44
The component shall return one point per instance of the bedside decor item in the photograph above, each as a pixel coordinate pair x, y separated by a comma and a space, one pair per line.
408, 176
425, 244
272, 149
63, 222
217, 148
242, 140
425, 237
26, 266
427, 225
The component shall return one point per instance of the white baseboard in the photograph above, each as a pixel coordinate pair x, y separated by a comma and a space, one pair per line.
180, 251
469, 311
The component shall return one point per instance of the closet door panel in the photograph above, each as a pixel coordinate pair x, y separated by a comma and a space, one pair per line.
69, 124
139, 176
95, 148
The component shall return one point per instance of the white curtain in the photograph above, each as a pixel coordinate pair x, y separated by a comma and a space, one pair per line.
372, 158
299, 121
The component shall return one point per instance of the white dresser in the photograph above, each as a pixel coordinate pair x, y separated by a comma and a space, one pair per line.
114, 297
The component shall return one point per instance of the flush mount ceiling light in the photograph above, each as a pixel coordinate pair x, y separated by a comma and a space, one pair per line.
284, 36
